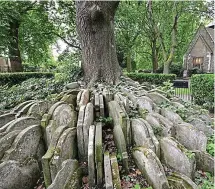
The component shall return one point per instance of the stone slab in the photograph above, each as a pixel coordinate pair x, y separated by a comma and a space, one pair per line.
121, 145
65, 149
25, 145
190, 137
88, 120
157, 98
150, 166
91, 157
177, 180
22, 123
99, 154
5, 118
85, 97
107, 171
115, 173
38, 109
101, 105
20, 106
68, 168
176, 156
97, 104
15, 176
172, 116
24, 110
80, 135
64, 115
6, 142
204, 161
49, 154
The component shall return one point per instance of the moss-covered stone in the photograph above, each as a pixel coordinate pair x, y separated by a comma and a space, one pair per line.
115, 172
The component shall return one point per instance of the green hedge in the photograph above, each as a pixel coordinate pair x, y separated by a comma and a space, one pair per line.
202, 86
18, 77
151, 77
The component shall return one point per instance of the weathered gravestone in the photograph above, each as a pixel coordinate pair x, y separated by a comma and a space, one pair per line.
174, 155
13, 175
150, 167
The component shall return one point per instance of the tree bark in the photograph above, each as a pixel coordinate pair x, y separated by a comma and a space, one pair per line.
14, 51
169, 60
96, 32
128, 62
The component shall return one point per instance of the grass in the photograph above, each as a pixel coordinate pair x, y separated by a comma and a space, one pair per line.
184, 91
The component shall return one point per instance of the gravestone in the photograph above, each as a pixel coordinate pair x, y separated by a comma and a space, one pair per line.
5, 118
150, 167
80, 135
190, 137
99, 154
16, 176
107, 171
91, 157
25, 145
88, 120
177, 157
64, 175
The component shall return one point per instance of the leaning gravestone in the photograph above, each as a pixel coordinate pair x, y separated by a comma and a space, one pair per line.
190, 137
142, 135
107, 171
177, 180
88, 120
5, 118
177, 157
6, 142
99, 154
16, 176
64, 175
49, 154
150, 167
91, 157
25, 145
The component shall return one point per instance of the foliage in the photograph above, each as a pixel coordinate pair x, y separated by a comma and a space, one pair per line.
204, 180
17, 77
34, 88
202, 86
177, 69
34, 32
194, 70
168, 88
106, 120
152, 78
211, 145
139, 25
68, 69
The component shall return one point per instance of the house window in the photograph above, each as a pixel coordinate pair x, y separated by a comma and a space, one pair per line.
197, 62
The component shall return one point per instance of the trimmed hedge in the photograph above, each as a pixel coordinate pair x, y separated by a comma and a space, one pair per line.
153, 78
18, 77
202, 86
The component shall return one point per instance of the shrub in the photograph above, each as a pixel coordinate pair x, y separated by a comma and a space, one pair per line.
194, 70
31, 89
176, 69
151, 77
202, 86
18, 77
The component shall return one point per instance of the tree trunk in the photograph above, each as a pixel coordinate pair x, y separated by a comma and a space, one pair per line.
14, 52
96, 32
168, 61
128, 62
154, 56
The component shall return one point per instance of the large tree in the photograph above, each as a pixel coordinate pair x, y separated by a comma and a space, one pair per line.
95, 26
